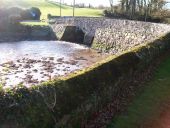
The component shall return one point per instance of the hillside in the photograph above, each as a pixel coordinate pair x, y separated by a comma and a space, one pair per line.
52, 8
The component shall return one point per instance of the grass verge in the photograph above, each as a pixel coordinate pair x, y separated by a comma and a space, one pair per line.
148, 100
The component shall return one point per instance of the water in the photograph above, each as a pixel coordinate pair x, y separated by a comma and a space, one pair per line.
33, 62
37, 49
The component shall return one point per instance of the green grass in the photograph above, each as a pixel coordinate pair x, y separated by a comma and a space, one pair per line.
52, 8
32, 23
146, 104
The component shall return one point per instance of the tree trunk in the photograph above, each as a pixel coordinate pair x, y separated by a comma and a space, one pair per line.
123, 6
111, 5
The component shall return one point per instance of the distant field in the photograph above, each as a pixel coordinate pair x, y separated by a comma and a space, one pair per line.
52, 8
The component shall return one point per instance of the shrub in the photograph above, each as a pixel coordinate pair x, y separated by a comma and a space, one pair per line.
35, 12
13, 11
107, 13
14, 19
49, 16
31, 14
26, 15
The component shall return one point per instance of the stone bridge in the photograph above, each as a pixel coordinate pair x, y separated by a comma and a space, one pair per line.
112, 35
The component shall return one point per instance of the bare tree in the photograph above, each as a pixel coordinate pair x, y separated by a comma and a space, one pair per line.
146, 7
123, 5
111, 5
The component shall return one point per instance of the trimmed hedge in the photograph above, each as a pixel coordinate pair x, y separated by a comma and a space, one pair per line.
68, 102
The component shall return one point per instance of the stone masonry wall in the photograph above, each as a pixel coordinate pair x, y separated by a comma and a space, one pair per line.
113, 35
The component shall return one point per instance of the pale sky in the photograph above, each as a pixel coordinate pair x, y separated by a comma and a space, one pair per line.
94, 2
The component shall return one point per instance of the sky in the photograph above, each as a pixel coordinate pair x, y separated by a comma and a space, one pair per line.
168, 5
95, 2
92, 2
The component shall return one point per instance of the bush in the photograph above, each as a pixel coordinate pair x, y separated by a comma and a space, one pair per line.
49, 16
35, 12
12, 16
14, 11
26, 15
137, 16
31, 14
107, 13
14, 19
110, 14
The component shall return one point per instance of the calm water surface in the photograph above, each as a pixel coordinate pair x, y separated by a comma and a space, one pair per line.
37, 49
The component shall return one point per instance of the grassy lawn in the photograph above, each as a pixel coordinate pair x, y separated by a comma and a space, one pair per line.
33, 23
148, 101
52, 8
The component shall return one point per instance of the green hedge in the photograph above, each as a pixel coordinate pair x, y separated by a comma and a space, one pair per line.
69, 102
